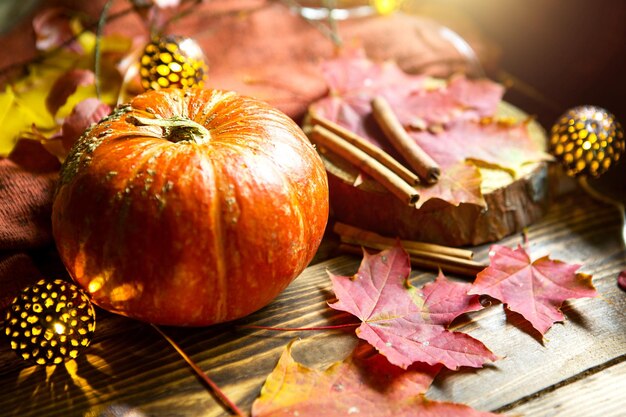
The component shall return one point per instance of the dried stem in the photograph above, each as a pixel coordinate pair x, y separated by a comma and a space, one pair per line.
175, 129
98, 47
215, 390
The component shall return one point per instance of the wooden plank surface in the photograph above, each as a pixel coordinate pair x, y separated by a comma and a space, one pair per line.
129, 367
596, 393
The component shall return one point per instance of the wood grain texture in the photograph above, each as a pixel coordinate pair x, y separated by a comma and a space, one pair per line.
130, 368
594, 394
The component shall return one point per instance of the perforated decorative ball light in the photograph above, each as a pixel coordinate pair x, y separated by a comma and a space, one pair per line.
587, 141
50, 322
172, 61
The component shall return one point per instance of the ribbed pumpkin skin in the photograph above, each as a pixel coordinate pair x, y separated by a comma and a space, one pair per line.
183, 233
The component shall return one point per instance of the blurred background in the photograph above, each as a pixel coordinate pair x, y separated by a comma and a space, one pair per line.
551, 54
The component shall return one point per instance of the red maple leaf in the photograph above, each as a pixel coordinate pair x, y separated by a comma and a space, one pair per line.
364, 384
502, 145
53, 28
458, 99
458, 183
83, 115
458, 105
353, 81
404, 323
536, 290
65, 86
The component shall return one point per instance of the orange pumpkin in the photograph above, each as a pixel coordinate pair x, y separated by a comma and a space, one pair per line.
190, 207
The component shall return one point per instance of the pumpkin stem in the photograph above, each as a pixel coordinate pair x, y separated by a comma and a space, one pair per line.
175, 129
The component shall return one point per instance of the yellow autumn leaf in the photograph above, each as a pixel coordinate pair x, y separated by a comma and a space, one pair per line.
23, 102
7, 100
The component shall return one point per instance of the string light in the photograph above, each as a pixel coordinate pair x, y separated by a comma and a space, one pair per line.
172, 61
50, 322
386, 7
587, 140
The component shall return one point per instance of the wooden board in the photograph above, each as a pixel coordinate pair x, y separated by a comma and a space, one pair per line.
512, 203
130, 368
593, 394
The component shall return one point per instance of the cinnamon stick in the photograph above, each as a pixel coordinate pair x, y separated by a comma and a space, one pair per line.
357, 236
370, 149
420, 161
467, 268
387, 178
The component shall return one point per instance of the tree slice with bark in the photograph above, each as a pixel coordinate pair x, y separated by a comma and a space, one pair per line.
512, 203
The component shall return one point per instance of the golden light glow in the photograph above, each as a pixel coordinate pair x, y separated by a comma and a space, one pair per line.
46, 319
385, 7
59, 328
125, 292
95, 284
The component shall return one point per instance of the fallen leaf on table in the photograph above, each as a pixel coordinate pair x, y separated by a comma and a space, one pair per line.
404, 323
536, 290
364, 384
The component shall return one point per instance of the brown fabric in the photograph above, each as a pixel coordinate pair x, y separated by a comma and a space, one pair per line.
27, 181
17, 270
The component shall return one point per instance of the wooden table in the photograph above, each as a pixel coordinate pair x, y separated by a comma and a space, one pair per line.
579, 368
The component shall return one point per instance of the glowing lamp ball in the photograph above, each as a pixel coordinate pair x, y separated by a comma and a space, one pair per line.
587, 141
50, 322
172, 61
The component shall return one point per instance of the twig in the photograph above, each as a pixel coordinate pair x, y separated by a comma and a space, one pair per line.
426, 168
396, 185
98, 46
203, 376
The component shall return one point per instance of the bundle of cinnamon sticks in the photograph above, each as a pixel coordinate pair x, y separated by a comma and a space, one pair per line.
423, 255
397, 179
375, 162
